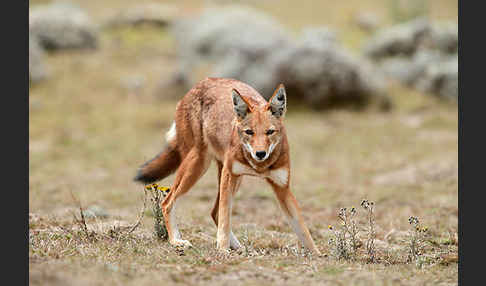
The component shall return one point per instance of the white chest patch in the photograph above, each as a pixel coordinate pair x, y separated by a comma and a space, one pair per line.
278, 176
241, 169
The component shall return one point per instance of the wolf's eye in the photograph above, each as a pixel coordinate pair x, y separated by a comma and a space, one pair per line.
270, 131
249, 132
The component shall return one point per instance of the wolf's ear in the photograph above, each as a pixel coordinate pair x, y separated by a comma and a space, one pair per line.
239, 104
278, 102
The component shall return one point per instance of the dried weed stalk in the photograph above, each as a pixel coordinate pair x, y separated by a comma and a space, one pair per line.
370, 242
417, 239
345, 243
158, 194
82, 222
93, 235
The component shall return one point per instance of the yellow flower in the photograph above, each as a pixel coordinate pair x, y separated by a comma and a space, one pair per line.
148, 187
163, 189
155, 185
329, 226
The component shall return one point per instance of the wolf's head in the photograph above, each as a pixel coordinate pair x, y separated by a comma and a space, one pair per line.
260, 127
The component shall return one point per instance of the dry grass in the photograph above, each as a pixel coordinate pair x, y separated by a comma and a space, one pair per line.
89, 132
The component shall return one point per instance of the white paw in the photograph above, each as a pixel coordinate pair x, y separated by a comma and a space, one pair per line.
180, 242
234, 243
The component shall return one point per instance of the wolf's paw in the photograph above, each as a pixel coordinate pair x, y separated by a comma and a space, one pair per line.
234, 243
180, 243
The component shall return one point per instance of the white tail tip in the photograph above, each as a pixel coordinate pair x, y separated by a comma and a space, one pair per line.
171, 134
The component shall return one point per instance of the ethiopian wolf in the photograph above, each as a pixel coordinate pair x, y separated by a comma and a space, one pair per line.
230, 122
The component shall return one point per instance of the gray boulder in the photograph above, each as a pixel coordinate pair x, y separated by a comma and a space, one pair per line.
441, 78
428, 70
252, 47
37, 68
409, 70
366, 21
399, 40
318, 37
62, 26
410, 37
231, 38
154, 14
418, 54
324, 74
402, 69
444, 37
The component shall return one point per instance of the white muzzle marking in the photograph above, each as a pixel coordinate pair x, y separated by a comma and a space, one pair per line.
253, 155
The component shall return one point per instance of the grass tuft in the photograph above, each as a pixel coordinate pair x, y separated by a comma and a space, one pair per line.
158, 193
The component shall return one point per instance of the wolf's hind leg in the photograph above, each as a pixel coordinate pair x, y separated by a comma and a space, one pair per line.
193, 166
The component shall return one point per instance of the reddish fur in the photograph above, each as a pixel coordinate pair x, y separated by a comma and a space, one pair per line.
206, 129
161, 166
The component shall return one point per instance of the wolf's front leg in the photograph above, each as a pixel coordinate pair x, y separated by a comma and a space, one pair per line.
227, 189
291, 210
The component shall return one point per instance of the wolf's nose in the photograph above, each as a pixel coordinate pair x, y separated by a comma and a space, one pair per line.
260, 154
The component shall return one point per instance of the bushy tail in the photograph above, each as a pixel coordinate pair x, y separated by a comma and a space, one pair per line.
161, 166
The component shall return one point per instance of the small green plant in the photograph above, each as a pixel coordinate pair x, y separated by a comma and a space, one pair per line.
370, 242
417, 238
338, 244
349, 223
158, 193
345, 243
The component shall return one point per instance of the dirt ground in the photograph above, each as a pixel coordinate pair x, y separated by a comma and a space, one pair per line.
89, 130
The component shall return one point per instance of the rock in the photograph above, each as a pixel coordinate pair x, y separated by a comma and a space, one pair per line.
429, 71
155, 14
406, 39
441, 78
237, 34
318, 37
366, 21
327, 75
399, 40
444, 38
420, 55
409, 70
95, 211
402, 69
62, 26
254, 48
37, 68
